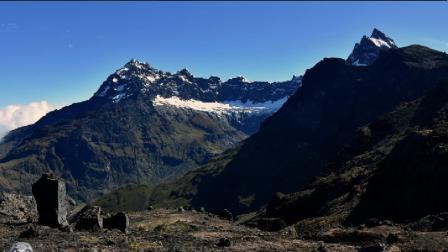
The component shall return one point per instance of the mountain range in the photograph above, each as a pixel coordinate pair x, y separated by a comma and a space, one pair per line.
357, 142
352, 141
141, 126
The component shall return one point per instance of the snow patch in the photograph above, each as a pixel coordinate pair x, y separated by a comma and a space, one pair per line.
118, 98
380, 43
218, 107
120, 88
184, 79
356, 63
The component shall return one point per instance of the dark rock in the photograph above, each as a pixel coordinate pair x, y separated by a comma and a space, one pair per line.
392, 238
150, 208
67, 229
32, 232
271, 224
224, 242
89, 218
377, 247
49, 193
118, 221
226, 215
322, 248
437, 222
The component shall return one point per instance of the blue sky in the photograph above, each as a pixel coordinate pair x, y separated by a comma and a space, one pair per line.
61, 52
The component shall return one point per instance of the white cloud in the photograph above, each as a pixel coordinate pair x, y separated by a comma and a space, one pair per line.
14, 116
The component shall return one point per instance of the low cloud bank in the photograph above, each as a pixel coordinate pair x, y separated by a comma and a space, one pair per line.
14, 116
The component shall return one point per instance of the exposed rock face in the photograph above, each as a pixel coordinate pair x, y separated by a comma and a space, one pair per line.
17, 208
89, 218
368, 50
118, 221
50, 196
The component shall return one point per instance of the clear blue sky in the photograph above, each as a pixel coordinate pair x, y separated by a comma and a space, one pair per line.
61, 52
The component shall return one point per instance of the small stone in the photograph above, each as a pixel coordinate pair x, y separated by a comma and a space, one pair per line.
377, 247
224, 242
21, 246
226, 214
181, 209
392, 238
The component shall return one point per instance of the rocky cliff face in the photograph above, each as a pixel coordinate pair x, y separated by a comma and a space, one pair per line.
369, 48
141, 126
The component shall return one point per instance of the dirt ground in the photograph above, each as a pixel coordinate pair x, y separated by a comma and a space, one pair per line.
171, 230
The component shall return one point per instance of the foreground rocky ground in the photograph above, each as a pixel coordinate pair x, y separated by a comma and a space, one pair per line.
174, 230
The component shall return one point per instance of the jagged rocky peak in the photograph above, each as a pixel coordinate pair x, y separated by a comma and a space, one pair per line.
367, 50
137, 79
241, 79
185, 72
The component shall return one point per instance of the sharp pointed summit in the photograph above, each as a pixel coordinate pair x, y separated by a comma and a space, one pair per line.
368, 49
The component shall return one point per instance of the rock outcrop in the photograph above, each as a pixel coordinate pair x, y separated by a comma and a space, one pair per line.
49, 193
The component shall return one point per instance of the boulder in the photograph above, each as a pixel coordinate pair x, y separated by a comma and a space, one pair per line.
224, 242
49, 193
118, 221
377, 247
226, 215
271, 224
89, 218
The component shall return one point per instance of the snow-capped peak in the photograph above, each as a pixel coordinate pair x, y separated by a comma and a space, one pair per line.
368, 49
138, 79
381, 40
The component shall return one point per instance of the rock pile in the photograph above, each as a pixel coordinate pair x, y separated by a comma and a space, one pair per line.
16, 208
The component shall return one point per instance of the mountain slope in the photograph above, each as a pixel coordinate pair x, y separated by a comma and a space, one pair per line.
141, 126
394, 170
306, 134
